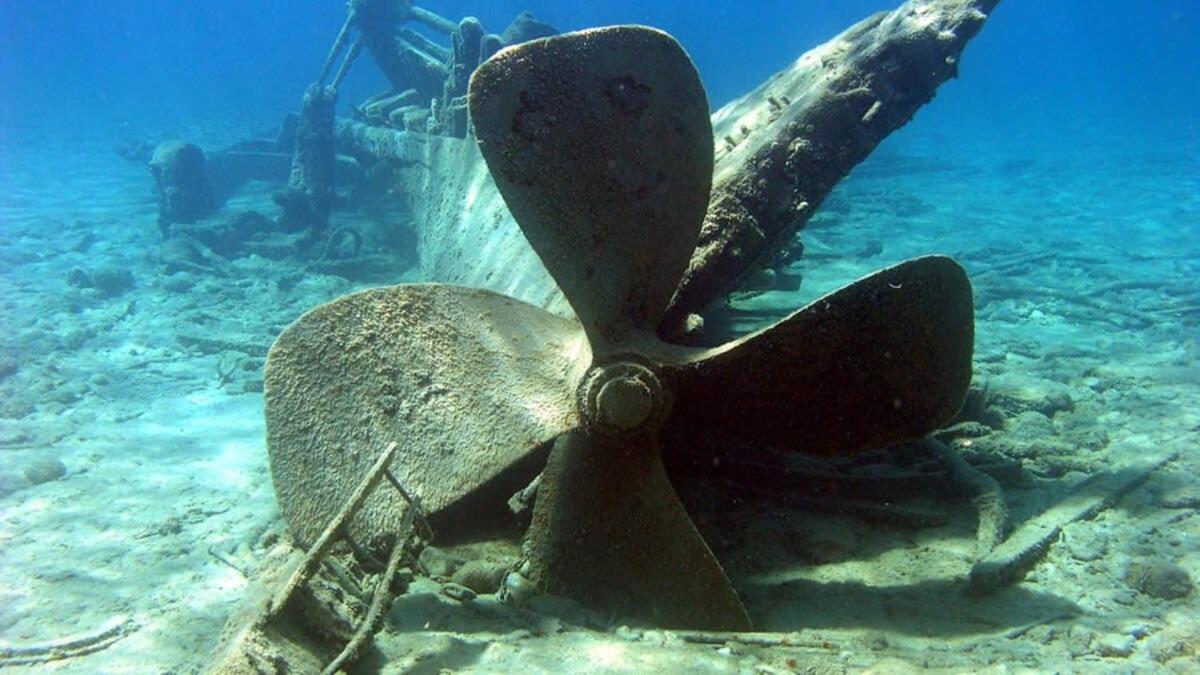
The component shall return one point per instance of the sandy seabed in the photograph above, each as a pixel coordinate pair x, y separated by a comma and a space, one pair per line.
135, 494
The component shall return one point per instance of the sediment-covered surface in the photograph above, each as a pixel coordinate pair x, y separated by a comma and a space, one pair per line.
136, 507
136, 413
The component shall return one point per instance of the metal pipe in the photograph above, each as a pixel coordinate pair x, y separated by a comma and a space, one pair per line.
338, 43
355, 48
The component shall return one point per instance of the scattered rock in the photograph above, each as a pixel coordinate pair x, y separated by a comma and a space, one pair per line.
439, 563
228, 238
44, 470
1079, 640
518, 590
77, 277
215, 345
179, 282
1031, 426
1083, 429
1113, 645
458, 592
83, 244
1158, 579
15, 408
75, 338
12, 437
184, 253
112, 281
1177, 639
566, 610
1013, 396
481, 576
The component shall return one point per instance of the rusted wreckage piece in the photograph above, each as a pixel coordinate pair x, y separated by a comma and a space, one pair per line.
782, 147
428, 80
1020, 552
295, 623
780, 150
429, 94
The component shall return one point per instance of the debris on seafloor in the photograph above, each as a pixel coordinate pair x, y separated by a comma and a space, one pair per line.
1009, 561
305, 596
67, 648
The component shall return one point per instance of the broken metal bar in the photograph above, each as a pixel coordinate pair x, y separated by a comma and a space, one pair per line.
338, 43
1009, 562
433, 20
355, 48
65, 648
361, 553
381, 595
321, 547
416, 504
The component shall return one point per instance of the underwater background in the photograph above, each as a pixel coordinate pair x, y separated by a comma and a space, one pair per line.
1062, 169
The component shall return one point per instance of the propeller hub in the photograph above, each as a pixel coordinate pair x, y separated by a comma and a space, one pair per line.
621, 396
625, 403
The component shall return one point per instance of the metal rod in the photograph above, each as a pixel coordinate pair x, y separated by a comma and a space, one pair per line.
355, 48
434, 21
321, 547
361, 553
416, 503
338, 42
378, 600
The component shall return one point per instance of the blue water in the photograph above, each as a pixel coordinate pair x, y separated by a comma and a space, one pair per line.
1040, 68
1062, 168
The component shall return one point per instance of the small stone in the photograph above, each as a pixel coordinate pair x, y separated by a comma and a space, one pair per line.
1171, 643
179, 282
1031, 425
1158, 579
439, 563
77, 277
1114, 646
83, 243
1079, 640
75, 338
481, 576
518, 590
44, 470
458, 592
1139, 631
112, 281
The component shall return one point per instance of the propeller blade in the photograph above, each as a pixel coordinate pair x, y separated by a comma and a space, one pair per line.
882, 360
601, 144
608, 530
468, 382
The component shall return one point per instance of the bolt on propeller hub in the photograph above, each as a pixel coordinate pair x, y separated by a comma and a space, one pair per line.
621, 396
